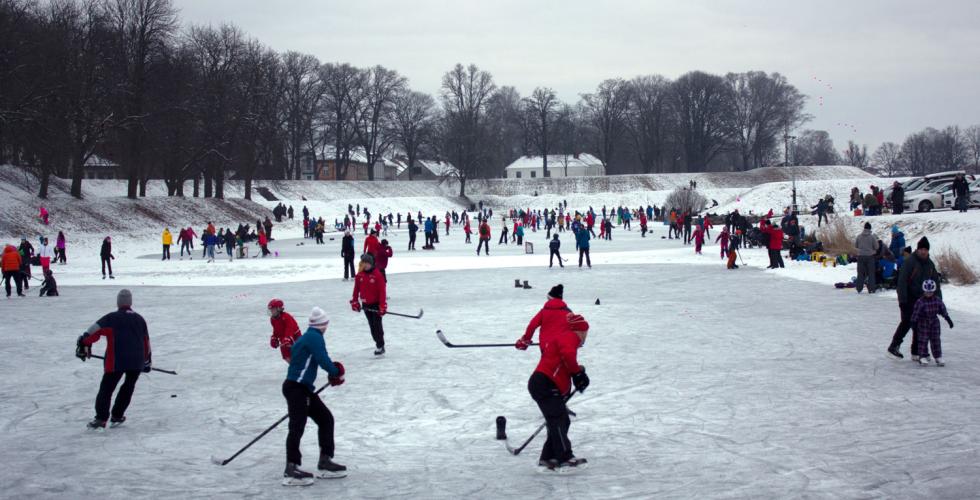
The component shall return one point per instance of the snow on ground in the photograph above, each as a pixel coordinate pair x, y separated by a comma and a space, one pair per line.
706, 383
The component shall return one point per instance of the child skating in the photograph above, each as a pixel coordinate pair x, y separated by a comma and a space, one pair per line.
925, 317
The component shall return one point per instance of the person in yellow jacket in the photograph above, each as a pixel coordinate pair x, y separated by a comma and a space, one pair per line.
168, 239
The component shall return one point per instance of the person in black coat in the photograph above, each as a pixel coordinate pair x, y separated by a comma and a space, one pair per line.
106, 255
413, 230
347, 252
897, 198
554, 246
961, 189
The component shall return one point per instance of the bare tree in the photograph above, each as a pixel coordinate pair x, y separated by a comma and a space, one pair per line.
303, 93
762, 107
569, 135
686, 200
605, 111
971, 136
887, 159
541, 108
856, 156
648, 120
143, 31
340, 83
814, 147
509, 130
701, 104
372, 111
465, 92
413, 121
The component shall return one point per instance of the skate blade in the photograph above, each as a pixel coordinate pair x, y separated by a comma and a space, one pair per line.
573, 470
117, 424
325, 474
292, 481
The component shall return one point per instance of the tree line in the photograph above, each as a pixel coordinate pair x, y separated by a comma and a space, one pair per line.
123, 80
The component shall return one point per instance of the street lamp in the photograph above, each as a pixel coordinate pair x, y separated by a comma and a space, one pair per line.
786, 139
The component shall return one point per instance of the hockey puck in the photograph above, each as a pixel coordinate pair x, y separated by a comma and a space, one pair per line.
173, 395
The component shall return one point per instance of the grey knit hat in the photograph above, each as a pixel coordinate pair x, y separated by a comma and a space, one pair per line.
124, 298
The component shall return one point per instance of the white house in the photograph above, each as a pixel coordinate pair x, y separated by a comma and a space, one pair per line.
559, 165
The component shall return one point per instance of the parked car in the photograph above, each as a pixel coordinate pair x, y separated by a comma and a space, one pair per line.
929, 197
917, 184
949, 198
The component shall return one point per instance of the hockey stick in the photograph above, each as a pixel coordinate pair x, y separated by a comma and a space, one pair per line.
389, 313
219, 461
518, 450
445, 341
161, 370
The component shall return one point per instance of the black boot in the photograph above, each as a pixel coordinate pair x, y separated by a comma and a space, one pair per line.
327, 468
517, 284
294, 476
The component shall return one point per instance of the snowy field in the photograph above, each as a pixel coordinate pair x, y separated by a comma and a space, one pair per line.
706, 383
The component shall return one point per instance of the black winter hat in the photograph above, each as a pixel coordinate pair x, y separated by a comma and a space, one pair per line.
367, 258
557, 292
867, 225
923, 243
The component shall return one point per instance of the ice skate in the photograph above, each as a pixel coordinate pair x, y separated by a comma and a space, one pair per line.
328, 469
294, 476
96, 424
379, 351
940, 362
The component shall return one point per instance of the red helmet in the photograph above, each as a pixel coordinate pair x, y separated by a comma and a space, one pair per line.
275, 303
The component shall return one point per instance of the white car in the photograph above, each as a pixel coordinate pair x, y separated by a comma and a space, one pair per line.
949, 198
929, 198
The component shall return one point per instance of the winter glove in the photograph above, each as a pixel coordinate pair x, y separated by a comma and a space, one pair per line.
338, 379
950, 323
382, 309
355, 306
82, 351
581, 380
274, 342
522, 344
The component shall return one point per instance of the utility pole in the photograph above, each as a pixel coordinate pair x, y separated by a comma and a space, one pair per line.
786, 139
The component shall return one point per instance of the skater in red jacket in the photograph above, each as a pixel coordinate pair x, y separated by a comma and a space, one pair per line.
285, 331
562, 333
370, 294
372, 245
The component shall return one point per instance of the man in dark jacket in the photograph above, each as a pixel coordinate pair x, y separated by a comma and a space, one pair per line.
127, 353
413, 230
897, 198
916, 269
554, 246
347, 252
105, 254
961, 189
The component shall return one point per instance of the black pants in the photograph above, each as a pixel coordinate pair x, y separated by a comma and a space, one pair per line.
7, 275
775, 259
106, 261
822, 217
552, 405
302, 403
349, 267
866, 273
485, 244
551, 259
125, 395
411, 241
374, 322
62, 256
585, 252
186, 245
904, 325
520, 240
687, 234
503, 238
166, 252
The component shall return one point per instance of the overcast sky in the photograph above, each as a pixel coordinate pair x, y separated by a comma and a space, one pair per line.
875, 70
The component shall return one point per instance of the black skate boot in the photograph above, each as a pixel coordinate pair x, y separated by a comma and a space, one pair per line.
526, 286
96, 424
116, 421
517, 284
328, 469
294, 476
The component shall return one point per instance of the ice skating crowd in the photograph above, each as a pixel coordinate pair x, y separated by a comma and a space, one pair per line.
561, 332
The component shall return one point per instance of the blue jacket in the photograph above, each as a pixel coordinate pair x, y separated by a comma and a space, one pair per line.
308, 352
428, 225
582, 239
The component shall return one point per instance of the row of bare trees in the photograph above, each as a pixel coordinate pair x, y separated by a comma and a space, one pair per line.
928, 151
121, 79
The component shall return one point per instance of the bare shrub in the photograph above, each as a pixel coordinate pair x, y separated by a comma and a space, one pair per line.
836, 239
686, 200
954, 268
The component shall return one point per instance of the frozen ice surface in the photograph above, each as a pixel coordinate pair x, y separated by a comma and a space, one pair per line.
706, 383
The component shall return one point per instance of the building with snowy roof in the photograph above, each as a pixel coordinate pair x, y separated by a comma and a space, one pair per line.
427, 170
559, 165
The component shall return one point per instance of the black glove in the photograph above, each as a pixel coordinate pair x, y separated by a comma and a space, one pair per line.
82, 351
581, 380
950, 323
